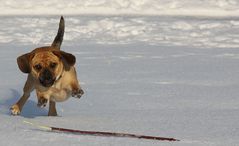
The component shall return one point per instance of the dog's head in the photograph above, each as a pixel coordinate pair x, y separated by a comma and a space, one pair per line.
46, 65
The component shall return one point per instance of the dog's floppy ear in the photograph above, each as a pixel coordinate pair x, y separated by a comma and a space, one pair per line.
23, 62
69, 58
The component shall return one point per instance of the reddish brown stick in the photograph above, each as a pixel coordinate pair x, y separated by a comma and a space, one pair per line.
111, 134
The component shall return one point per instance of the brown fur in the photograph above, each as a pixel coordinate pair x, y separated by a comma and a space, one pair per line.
59, 64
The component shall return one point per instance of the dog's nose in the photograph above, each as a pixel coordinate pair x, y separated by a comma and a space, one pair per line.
46, 78
46, 74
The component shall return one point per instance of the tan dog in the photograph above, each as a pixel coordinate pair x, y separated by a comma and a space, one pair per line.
51, 72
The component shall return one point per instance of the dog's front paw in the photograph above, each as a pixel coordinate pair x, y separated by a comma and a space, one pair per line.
42, 102
77, 93
15, 110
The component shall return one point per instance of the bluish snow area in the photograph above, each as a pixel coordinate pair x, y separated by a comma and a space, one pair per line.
171, 76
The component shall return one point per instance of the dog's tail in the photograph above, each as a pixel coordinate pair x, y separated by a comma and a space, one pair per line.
60, 34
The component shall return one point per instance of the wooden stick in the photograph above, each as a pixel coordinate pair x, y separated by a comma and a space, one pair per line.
98, 133
111, 134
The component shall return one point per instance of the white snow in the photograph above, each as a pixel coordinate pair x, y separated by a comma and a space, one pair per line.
112, 7
154, 30
155, 74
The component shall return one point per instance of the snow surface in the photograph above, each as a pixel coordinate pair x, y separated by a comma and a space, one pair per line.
172, 76
109, 7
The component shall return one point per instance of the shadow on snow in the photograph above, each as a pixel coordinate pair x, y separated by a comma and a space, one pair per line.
30, 109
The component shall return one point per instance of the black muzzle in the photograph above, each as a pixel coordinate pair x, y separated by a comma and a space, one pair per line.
46, 78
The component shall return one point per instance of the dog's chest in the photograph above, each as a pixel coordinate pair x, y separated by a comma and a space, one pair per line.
57, 85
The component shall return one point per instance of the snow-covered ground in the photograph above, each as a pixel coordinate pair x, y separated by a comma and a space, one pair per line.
172, 76
109, 7
201, 32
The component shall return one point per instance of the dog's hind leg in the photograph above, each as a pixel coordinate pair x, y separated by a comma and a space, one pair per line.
28, 88
52, 109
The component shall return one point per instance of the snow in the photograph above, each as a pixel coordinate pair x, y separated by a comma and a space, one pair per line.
154, 30
112, 7
152, 73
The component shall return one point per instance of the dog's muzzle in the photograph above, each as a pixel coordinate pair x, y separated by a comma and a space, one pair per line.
46, 78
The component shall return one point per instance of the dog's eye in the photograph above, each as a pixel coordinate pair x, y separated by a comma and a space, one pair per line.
38, 67
53, 65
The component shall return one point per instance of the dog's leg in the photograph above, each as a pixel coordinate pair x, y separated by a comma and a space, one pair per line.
76, 90
42, 102
52, 109
28, 88
42, 98
60, 95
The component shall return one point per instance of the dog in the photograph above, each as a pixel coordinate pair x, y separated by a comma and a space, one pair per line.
51, 73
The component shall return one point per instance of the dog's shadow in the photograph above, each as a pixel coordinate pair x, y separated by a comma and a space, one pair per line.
30, 109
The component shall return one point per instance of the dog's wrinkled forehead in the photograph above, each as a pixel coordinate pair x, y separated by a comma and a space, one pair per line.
44, 58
